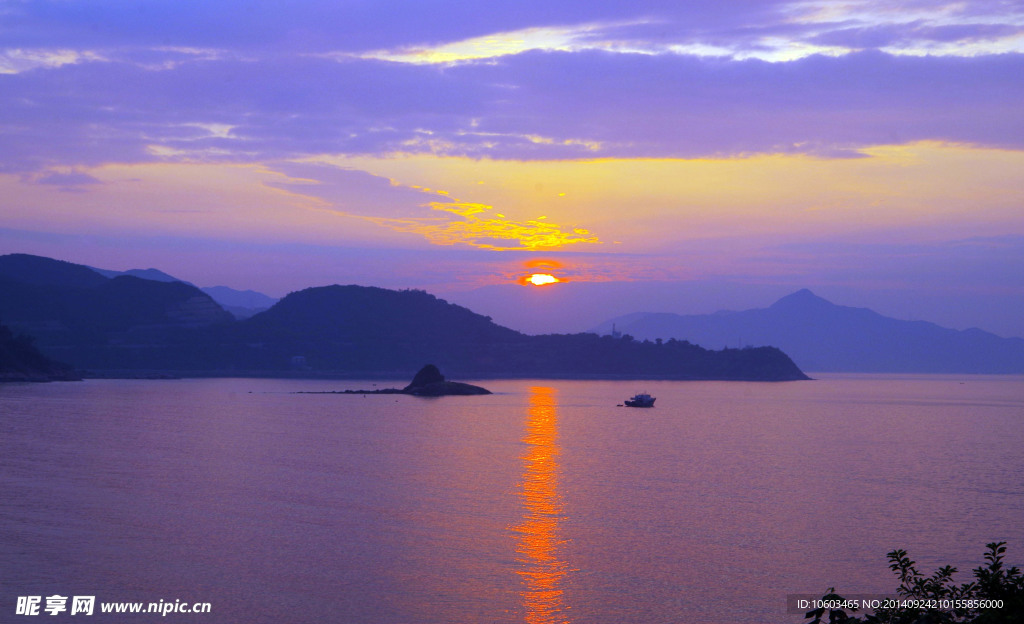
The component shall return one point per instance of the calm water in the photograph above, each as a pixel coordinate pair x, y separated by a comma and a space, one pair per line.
541, 503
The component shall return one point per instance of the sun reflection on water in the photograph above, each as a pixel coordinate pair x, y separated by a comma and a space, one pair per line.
540, 565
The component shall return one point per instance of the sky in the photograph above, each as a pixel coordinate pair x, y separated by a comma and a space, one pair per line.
653, 155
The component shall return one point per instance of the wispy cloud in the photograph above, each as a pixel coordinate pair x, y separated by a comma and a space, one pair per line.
71, 181
789, 32
16, 60
551, 38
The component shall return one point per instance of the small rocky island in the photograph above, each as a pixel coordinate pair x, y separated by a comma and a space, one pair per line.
429, 382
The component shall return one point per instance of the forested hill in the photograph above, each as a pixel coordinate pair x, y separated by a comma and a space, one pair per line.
373, 329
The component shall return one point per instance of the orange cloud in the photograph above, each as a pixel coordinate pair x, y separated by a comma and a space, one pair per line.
472, 227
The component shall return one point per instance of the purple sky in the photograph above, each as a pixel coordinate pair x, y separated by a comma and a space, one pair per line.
696, 155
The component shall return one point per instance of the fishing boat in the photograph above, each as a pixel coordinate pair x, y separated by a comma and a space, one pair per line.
641, 400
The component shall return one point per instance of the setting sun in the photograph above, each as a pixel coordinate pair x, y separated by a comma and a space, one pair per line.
541, 279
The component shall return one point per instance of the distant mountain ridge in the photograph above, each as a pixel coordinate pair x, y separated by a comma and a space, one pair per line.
240, 303
824, 337
126, 323
155, 275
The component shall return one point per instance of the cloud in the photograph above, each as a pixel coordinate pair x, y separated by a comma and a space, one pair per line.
347, 191
671, 106
67, 181
92, 83
444, 221
316, 26
535, 105
103, 112
476, 229
161, 33
16, 60
907, 37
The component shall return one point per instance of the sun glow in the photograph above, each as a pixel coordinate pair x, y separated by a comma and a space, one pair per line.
541, 279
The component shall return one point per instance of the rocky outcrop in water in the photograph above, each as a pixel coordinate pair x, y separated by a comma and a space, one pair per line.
430, 382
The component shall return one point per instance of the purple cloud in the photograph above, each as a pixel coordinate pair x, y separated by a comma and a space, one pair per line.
356, 193
73, 178
232, 81
901, 35
73, 181
640, 105
328, 25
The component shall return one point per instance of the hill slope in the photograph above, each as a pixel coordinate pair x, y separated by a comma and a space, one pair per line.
364, 328
78, 316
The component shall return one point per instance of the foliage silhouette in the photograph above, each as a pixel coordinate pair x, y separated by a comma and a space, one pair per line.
21, 361
993, 582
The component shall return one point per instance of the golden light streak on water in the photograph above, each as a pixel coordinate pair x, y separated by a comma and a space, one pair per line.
538, 548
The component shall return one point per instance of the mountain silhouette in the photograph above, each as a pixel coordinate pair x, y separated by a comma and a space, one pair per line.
362, 328
78, 316
824, 337
155, 275
40, 271
125, 323
241, 303
365, 328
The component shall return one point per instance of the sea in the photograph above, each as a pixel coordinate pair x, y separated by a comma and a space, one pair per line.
269, 500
